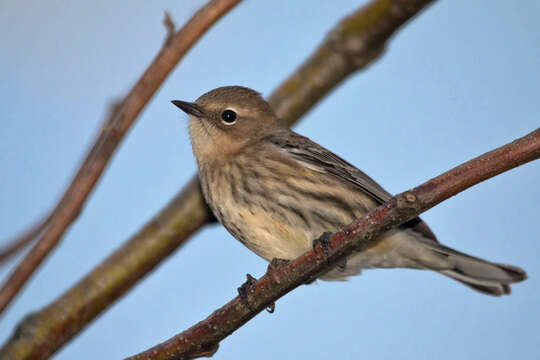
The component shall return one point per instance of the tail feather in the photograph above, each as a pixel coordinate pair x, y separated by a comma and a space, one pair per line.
488, 288
481, 275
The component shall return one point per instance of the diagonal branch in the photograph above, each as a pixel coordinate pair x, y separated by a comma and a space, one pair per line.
203, 338
351, 45
42, 333
20, 242
112, 132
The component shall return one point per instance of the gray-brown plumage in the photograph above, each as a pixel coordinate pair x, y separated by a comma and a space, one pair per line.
277, 191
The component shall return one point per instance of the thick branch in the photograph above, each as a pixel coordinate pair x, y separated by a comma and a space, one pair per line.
279, 280
42, 333
46, 330
352, 45
110, 136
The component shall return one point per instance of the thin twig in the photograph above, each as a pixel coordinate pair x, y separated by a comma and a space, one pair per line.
170, 26
47, 330
19, 243
281, 279
112, 133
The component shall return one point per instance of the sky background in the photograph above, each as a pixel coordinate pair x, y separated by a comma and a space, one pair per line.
459, 80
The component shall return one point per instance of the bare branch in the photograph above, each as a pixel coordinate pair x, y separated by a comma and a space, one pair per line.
40, 334
47, 330
18, 243
107, 141
283, 278
170, 26
352, 45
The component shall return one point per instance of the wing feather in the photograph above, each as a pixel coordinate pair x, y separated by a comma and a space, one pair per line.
316, 157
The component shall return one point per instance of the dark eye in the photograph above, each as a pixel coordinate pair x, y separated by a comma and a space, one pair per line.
228, 117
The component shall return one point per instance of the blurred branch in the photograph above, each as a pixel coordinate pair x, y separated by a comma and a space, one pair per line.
17, 244
203, 338
352, 45
170, 26
112, 132
359, 36
42, 333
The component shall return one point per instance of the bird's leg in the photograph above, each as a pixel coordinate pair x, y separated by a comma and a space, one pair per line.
323, 241
243, 290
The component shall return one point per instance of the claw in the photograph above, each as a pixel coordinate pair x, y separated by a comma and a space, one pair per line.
342, 265
323, 241
274, 265
243, 290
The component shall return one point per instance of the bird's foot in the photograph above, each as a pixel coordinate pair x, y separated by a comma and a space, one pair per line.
323, 241
244, 289
274, 265
272, 270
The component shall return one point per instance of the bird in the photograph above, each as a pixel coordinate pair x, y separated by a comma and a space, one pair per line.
276, 191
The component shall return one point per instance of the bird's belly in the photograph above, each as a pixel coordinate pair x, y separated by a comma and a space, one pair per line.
267, 235
270, 238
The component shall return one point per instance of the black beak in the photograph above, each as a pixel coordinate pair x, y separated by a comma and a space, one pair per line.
189, 108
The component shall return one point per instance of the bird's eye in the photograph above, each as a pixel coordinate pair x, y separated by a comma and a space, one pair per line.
228, 116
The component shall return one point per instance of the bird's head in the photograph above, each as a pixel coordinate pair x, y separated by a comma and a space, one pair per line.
225, 119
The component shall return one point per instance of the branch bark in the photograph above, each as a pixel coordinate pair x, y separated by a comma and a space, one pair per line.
203, 338
20, 242
353, 44
362, 35
112, 132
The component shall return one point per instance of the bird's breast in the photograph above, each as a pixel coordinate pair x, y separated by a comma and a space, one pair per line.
275, 210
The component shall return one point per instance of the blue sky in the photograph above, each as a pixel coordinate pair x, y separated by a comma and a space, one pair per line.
459, 80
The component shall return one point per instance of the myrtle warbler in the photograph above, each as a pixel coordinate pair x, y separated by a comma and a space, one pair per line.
276, 191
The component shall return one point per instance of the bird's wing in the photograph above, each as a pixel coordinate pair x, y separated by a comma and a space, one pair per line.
316, 157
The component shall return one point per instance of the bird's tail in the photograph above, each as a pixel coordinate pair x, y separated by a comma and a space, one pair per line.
481, 275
